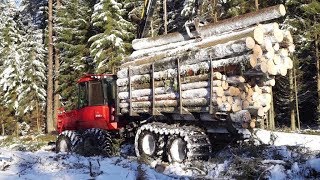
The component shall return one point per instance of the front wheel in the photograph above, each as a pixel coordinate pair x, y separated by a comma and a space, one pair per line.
68, 141
97, 142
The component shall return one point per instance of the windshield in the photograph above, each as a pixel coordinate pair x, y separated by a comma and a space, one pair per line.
97, 92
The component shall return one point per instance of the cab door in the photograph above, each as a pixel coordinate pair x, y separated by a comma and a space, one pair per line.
93, 112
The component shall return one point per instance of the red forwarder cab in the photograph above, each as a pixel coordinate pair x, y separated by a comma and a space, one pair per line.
96, 105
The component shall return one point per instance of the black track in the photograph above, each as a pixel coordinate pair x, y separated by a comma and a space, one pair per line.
197, 141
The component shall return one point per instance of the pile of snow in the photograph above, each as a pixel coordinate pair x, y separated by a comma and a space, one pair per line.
312, 142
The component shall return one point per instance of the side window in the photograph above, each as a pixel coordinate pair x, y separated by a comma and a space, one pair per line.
83, 95
109, 91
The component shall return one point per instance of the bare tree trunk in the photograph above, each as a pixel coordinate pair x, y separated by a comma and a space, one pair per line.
56, 79
49, 122
3, 129
165, 17
152, 29
296, 97
257, 4
17, 128
292, 104
271, 113
262, 125
38, 117
318, 75
215, 11
56, 87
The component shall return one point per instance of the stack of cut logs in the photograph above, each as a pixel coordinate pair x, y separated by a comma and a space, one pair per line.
229, 67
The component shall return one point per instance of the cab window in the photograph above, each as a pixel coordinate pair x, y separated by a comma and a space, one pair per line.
83, 95
109, 90
95, 93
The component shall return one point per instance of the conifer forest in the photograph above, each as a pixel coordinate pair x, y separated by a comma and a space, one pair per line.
47, 45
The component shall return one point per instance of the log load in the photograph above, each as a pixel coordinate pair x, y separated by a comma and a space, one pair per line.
214, 29
229, 68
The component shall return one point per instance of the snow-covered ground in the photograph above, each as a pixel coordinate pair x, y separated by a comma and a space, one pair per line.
48, 165
287, 156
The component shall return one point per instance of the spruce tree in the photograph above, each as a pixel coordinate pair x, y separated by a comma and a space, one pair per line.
9, 56
311, 16
22, 71
112, 40
72, 30
300, 20
32, 89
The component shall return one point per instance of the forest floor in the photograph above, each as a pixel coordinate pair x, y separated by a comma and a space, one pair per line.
275, 155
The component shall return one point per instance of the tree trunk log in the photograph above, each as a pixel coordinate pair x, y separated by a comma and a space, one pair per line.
246, 20
185, 70
214, 28
166, 61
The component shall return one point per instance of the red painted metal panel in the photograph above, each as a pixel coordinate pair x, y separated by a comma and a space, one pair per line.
67, 120
88, 117
93, 117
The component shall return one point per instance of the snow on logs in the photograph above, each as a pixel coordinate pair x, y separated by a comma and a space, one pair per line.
227, 25
230, 70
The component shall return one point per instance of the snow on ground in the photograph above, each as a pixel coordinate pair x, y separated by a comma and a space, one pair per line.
283, 156
312, 142
48, 165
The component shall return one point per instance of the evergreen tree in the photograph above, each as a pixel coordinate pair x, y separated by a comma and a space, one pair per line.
22, 72
312, 18
32, 89
300, 20
9, 56
112, 40
12, 55
72, 28
231, 8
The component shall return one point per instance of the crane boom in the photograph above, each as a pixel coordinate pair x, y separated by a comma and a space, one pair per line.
147, 14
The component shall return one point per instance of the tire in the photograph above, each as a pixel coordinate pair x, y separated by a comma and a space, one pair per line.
177, 149
149, 145
96, 142
68, 141
146, 144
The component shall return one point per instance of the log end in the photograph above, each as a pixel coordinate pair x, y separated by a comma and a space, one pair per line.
283, 71
291, 48
282, 10
289, 62
250, 42
257, 51
278, 34
258, 34
275, 25
253, 60
276, 47
253, 123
